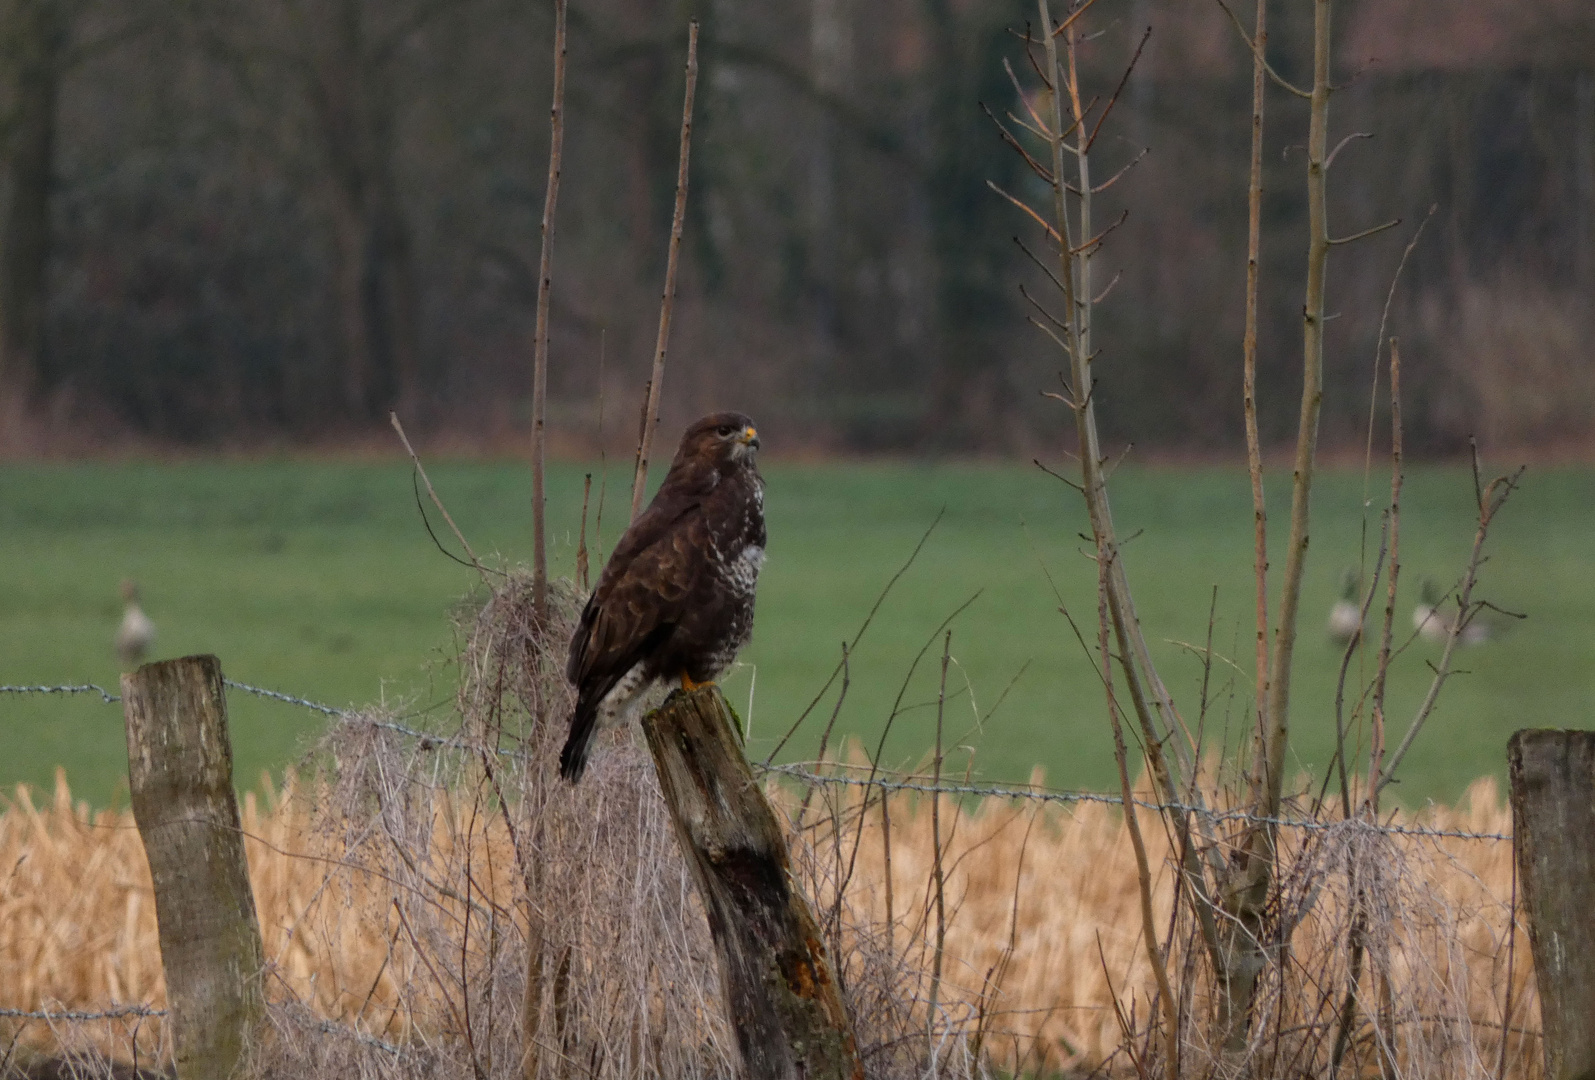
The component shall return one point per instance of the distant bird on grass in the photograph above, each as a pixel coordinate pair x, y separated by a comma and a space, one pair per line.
1435, 615
136, 634
675, 601
1345, 618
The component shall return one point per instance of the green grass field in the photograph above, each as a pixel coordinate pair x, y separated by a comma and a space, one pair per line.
318, 578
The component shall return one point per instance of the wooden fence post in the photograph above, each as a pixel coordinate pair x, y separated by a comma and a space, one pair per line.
780, 991
180, 771
1553, 832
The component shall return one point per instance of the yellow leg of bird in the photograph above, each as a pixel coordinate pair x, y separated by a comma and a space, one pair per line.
688, 685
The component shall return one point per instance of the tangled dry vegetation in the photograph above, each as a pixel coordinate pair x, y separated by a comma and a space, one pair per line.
393, 897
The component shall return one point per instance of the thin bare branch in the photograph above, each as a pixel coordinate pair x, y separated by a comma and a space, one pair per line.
1103, 295
1052, 233
1489, 504
1376, 750
1007, 137
1354, 237
1116, 177
1070, 21
415, 458
545, 284
1257, 52
1117, 90
1090, 246
667, 300
1341, 145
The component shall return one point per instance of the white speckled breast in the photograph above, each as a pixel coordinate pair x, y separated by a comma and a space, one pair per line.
742, 574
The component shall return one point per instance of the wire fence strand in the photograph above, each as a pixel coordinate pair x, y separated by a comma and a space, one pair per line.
428, 740
115, 1012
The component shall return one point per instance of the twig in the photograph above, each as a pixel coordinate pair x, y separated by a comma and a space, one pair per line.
667, 300
1339, 762
603, 458
437, 502
1154, 955
1065, 24
936, 867
1342, 144
1511, 956
840, 668
581, 537
1254, 453
545, 284
1491, 498
1257, 52
1376, 750
1337, 241
1117, 90
1052, 233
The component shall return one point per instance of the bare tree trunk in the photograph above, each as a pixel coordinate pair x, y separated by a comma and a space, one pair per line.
37, 45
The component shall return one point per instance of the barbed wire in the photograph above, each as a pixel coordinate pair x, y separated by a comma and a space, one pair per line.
118, 1012
428, 740
1071, 797
290, 699
143, 1012
65, 688
328, 1027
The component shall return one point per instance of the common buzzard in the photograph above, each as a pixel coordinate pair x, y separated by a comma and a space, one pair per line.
675, 601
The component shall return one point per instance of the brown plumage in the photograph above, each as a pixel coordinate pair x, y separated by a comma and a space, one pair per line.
675, 601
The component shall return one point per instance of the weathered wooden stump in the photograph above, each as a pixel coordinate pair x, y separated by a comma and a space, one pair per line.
180, 771
780, 991
1553, 832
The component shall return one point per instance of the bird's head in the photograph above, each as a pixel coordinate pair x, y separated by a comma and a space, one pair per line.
726, 438
129, 590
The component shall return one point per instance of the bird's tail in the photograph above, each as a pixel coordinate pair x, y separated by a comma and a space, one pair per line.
583, 726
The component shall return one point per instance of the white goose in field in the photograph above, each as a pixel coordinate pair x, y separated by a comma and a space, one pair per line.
1434, 622
136, 634
1345, 618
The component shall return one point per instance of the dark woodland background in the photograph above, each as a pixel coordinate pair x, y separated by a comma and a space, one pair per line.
251, 222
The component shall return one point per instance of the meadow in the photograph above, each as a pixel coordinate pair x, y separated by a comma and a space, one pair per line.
319, 578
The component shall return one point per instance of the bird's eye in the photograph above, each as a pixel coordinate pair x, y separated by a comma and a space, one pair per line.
726, 429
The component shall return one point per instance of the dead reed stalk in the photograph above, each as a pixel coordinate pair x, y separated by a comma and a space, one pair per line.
388, 895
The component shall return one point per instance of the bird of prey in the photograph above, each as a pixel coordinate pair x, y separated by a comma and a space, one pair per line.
136, 634
675, 601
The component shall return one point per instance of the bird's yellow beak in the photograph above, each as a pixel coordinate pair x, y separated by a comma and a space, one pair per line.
750, 436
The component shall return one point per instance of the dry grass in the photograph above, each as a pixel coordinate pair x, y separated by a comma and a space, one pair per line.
1041, 900
393, 900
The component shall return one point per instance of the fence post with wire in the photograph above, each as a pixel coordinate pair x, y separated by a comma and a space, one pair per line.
1553, 821
180, 773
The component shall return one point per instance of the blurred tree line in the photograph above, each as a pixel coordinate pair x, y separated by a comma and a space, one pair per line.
243, 220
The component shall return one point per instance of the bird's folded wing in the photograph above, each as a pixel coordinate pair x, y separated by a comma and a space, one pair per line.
640, 596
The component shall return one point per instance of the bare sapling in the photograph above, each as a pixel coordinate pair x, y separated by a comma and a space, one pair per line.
1254, 449
545, 286
531, 1005
667, 300
1230, 879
